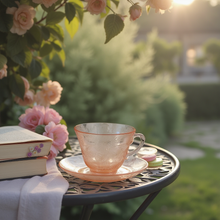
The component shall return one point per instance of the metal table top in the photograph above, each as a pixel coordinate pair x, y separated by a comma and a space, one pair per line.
82, 192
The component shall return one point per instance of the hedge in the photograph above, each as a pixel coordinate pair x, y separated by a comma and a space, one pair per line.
202, 100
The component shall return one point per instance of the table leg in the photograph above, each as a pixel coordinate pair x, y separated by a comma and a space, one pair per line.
86, 212
144, 205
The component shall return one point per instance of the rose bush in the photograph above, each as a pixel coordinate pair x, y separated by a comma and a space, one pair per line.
30, 31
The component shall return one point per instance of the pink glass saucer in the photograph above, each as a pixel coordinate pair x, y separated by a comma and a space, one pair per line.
75, 166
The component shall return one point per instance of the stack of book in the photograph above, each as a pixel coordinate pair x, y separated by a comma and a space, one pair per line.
23, 153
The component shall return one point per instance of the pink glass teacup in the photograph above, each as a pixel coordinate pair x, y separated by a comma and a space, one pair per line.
105, 146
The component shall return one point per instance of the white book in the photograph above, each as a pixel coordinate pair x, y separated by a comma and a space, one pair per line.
18, 142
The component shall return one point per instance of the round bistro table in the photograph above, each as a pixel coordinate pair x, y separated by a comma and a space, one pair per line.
150, 182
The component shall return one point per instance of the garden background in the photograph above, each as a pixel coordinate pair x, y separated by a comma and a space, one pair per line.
138, 80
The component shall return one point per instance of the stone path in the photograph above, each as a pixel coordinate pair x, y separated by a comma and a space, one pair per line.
207, 133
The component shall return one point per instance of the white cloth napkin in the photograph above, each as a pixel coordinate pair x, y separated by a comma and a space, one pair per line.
36, 198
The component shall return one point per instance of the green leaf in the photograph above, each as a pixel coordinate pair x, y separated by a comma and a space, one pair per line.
58, 2
113, 26
35, 69
79, 9
70, 11
45, 33
45, 50
2, 7
3, 38
35, 31
63, 122
116, 2
9, 3
54, 17
19, 58
62, 56
40, 129
5, 91
56, 31
68, 146
72, 27
45, 72
6, 22
11, 63
3, 61
32, 41
28, 58
56, 46
39, 81
17, 85
52, 54
51, 8
15, 44
23, 58
23, 71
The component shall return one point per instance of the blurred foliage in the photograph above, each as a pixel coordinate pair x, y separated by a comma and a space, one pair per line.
122, 210
165, 117
165, 54
202, 101
183, 19
10, 115
103, 83
211, 49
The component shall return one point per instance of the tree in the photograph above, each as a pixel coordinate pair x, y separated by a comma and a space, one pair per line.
211, 50
164, 55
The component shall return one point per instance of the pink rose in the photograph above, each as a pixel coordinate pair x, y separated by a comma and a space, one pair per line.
135, 11
50, 94
3, 71
51, 115
26, 84
58, 133
96, 6
32, 117
28, 99
53, 152
46, 3
22, 18
159, 5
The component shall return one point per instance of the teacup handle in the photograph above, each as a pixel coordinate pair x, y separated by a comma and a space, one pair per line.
142, 137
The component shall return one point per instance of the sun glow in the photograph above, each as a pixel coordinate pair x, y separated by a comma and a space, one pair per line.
184, 2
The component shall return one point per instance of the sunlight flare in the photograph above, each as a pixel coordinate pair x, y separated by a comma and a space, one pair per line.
184, 2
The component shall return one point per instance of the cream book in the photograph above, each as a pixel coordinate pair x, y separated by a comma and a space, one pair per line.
18, 142
20, 168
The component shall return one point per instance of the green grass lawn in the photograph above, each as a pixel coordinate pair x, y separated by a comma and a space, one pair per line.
195, 195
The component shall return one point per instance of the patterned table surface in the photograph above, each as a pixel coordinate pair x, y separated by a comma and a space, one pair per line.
82, 192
